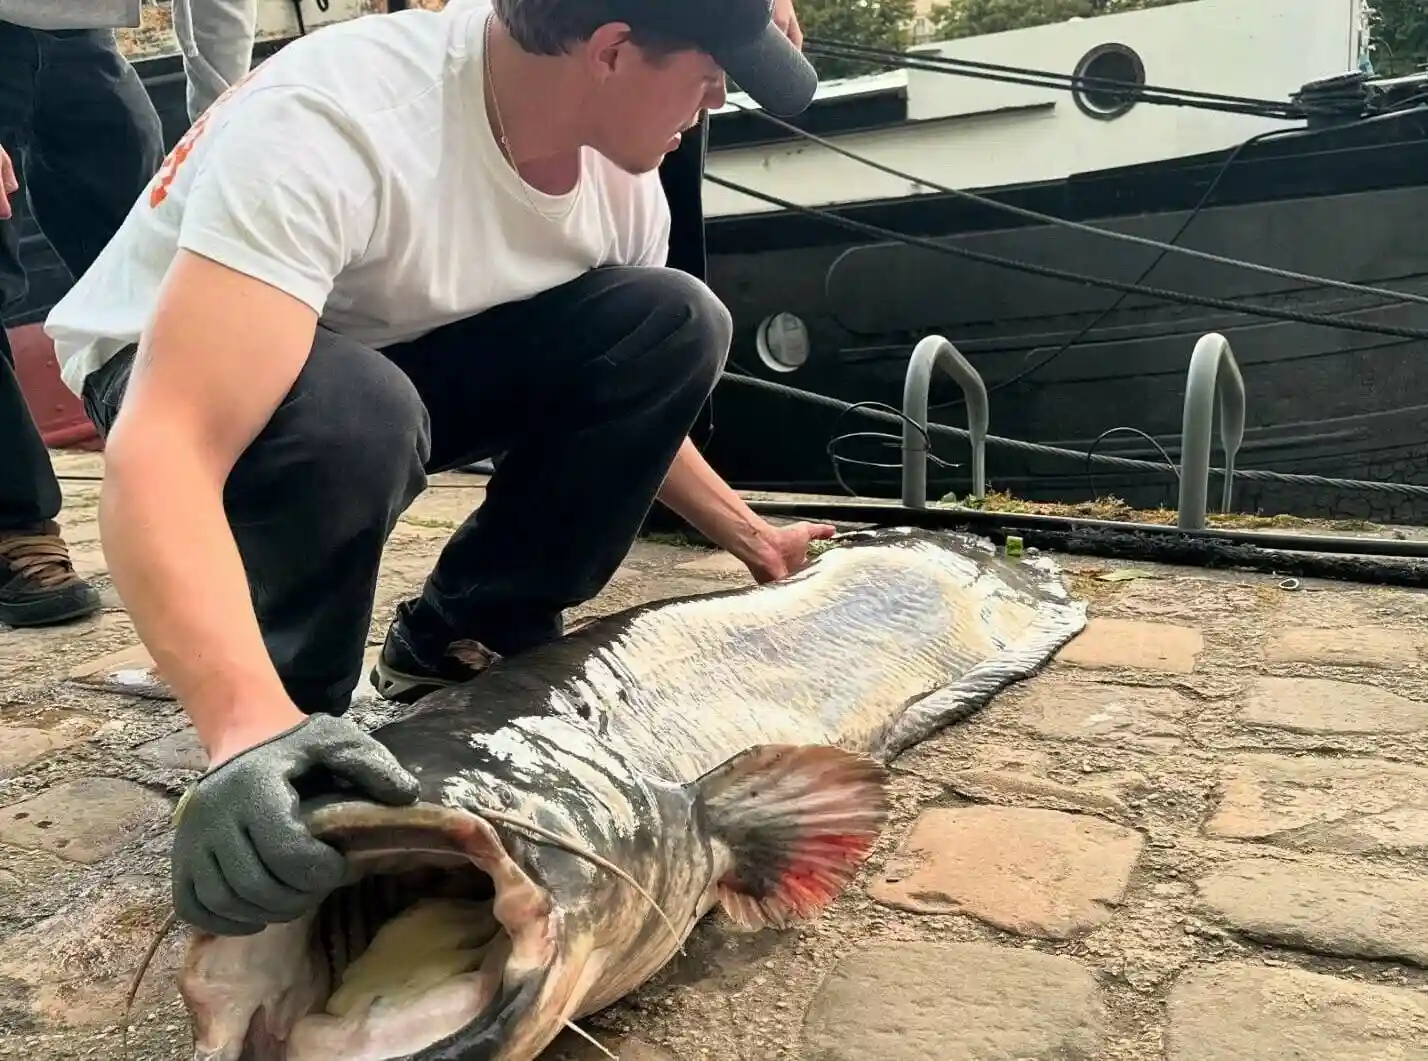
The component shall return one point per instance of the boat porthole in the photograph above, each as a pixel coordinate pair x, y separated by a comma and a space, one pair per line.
1110, 62
782, 342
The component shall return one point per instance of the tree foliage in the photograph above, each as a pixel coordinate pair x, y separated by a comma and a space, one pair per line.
1399, 28
1400, 35
876, 23
972, 18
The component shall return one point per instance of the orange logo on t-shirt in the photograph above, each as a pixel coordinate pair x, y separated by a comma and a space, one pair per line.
175, 158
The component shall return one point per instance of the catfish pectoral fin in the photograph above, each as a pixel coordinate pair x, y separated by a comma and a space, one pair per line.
798, 821
472, 653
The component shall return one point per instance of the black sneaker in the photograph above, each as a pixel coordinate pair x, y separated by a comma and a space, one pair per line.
404, 675
38, 584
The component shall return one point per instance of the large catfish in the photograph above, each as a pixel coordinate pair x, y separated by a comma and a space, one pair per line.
584, 804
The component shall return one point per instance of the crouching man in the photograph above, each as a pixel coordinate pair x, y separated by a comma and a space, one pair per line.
402, 244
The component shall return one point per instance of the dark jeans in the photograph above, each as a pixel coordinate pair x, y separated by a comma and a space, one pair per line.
29, 491
85, 139
588, 389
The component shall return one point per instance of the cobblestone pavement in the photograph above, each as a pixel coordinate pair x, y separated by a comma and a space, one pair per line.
1197, 835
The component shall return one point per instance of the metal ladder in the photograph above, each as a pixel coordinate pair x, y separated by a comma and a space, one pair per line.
1214, 373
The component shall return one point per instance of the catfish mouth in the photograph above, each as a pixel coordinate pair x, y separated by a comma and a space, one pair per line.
440, 946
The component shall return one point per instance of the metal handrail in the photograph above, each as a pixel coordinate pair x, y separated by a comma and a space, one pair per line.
1213, 372
932, 353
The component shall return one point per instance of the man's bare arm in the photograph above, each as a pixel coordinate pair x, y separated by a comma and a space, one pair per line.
220, 354
695, 491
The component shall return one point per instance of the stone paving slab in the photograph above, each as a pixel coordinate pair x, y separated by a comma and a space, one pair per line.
1352, 806
1109, 643
985, 785
969, 1002
1196, 835
1347, 912
1241, 1013
84, 820
1061, 877
1353, 646
22, 745
1151, 718
1321, 706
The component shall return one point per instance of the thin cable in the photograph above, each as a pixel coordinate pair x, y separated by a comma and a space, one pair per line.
1091, 452
1079, 226
888, 441
1247, 308
1304, 101
874, 53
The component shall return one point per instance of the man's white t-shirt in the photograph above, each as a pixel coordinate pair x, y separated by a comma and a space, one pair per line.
357, 170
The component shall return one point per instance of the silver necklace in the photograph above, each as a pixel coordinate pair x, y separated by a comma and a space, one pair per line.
501, 131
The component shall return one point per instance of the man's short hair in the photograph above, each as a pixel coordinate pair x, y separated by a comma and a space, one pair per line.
551, 27
740, 35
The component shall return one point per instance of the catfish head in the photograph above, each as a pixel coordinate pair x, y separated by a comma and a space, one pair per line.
478, 933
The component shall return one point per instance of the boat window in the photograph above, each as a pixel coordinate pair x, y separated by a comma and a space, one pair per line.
782, 342
1108, 62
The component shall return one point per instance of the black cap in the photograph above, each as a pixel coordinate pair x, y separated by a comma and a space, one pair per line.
741, 37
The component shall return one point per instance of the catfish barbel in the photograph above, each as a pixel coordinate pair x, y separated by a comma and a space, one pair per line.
586, 802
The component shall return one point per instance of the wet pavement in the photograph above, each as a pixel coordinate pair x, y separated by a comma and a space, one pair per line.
1198, 835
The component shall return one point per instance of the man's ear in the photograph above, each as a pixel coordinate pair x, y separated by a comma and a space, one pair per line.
609, 48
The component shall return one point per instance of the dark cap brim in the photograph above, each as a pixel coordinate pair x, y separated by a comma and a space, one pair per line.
774, 73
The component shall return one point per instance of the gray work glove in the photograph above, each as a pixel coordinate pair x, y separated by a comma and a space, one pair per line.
242, 859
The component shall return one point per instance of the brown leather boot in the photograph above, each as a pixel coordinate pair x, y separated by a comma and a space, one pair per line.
38, 584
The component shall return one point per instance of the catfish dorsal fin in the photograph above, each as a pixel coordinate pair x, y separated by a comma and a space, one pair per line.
798, 821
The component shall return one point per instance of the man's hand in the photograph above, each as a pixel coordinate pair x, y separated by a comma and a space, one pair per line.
784, 550
695, 491
785, 19
242, 859
9, 185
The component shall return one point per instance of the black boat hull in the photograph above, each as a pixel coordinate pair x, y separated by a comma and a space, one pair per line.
1344, 202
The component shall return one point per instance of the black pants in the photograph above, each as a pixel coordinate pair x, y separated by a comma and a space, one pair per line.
85, 139
588, 389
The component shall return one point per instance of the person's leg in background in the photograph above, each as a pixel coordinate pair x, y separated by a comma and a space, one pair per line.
92, 140
38, 587
96, 140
